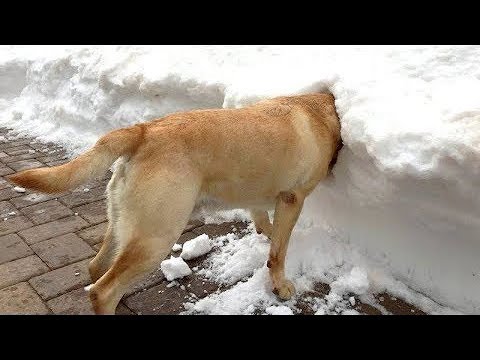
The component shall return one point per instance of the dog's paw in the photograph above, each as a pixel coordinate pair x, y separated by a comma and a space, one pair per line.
284, 290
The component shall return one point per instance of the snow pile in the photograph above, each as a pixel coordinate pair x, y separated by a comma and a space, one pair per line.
237, 259
404, 191
174, 268
354, 282
196, 247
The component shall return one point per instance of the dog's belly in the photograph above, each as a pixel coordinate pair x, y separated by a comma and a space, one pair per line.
238, 194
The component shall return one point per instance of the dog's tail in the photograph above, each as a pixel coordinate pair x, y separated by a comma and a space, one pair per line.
93, 163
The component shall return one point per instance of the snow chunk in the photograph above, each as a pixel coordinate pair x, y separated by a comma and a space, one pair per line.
19, 189
279, 310
196, 247
177, 247
175, 268
356, 282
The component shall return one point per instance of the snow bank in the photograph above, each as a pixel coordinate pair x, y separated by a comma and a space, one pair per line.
174, 268
403, 193
196, 247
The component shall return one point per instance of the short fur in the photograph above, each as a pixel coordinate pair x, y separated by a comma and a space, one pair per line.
270, 155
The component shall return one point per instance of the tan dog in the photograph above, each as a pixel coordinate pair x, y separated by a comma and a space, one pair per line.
268, 155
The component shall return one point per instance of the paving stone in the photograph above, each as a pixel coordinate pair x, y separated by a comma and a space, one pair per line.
397, 306
20, 270
192, 225
148, 281
94, 213
81, 198
61, 281
93, 234
15, 158
21, 299
215, 230
31, 199
25, 164
6, 208
14, 224
51, 158
4, 184
185, 237
122, 309
151, 302
5, 170
8, 193
60, 155
57, 162
77, 302
55, 228
62, 250
94, 183
38, 145
16, 148
46, 211
160, 299
12, 247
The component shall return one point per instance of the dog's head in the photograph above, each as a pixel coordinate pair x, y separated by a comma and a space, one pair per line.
335, 156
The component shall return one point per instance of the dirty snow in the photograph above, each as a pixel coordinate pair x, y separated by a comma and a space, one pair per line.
196, 247
402, 203
174, 268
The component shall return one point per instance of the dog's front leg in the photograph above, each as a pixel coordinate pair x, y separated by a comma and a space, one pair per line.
288, 207
262, 222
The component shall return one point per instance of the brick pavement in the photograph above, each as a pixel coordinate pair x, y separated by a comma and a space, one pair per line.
47, 241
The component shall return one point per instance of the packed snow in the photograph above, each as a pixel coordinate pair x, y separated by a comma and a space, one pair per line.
196, 247
400, 211
175, 268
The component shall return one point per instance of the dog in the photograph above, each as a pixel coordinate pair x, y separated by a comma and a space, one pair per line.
269, 155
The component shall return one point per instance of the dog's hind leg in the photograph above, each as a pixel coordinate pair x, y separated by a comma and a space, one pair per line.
150, 223
103, 260
262, 222
288, 207
140, 256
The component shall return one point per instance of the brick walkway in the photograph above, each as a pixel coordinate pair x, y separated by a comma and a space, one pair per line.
46, 243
